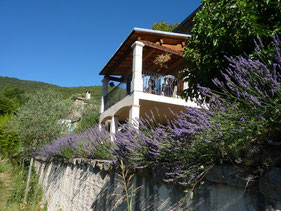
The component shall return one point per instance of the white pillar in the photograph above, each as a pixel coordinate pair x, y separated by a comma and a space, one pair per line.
137, 83
134, 113
114, 124
104, 93
100, 125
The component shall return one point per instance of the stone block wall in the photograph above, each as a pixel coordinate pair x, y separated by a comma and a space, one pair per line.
82, 184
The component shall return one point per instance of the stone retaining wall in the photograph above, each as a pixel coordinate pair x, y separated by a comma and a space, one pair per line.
82, 184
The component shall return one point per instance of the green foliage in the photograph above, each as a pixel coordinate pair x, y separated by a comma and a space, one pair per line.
6, 105
226, 28
5, 182
164, 26
15, 94
28, 86
90, 116
15, 139
67, 153
34, 86
4, 166
245, 116
15, 201
234, 141
68, 92
10, 100
10, 145
103, 151
39, 120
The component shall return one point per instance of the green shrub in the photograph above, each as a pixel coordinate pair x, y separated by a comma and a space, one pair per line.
90, 117
226, 28
10, 144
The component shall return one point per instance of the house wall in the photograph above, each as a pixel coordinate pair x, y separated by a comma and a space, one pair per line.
82, 184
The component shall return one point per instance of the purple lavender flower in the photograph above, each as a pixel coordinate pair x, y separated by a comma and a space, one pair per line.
84, 144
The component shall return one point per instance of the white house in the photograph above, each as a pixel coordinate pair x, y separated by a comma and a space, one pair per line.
143, 82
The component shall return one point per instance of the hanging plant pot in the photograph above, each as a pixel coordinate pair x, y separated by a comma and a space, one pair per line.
161, 59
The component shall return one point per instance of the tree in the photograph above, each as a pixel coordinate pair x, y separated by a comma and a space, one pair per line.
164, 26
38, 121
10, 100
6, 105
15, 94
226, 28
9, 142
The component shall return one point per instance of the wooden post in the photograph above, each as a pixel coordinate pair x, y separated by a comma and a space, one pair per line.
28, 180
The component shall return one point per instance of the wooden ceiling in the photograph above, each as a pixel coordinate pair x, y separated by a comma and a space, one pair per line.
156, 43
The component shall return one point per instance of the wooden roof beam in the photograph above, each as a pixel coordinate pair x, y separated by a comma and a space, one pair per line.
120, 60
162, 43
161, 48
173, 66
115, 79
177, 47
148, 55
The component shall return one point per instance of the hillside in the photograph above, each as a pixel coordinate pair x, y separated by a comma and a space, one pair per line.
67, 92
28, 86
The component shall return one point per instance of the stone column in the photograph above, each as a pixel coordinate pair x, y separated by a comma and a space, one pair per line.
104, 93
137, 82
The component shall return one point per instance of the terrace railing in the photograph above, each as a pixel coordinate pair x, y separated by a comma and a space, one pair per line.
115, 95
161, 85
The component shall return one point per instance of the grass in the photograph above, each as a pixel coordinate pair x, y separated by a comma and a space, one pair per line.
12, 186
5, 182
127, 185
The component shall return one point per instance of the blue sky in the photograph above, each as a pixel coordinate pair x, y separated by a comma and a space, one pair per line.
68, 42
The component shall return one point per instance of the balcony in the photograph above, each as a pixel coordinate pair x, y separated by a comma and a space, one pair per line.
168, 86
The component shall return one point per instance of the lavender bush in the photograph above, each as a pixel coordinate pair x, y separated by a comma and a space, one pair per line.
92, 143
250, 96
238, 125
140, 147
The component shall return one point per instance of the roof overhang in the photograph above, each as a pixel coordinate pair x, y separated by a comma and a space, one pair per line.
156, 42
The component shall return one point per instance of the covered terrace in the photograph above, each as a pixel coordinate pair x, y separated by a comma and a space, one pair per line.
139, 81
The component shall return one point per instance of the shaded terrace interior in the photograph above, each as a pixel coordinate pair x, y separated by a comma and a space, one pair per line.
160, 80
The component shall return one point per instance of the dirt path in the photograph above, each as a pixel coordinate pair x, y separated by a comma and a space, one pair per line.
5, 183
